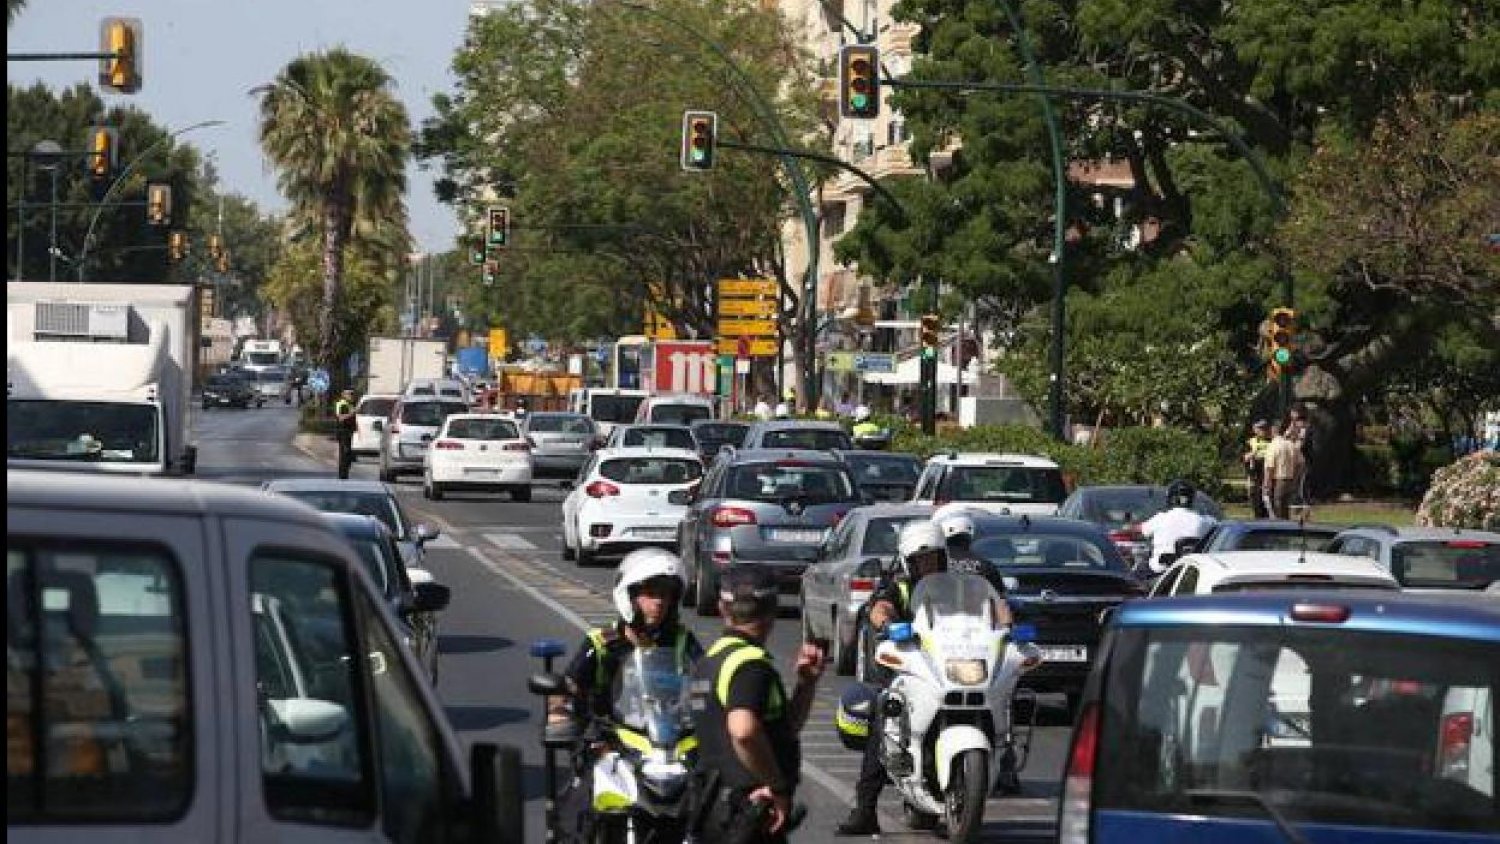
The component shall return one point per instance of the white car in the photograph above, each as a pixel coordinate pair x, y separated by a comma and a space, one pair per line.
375, 406
478, 451
441, 388
620, 502
1006, 484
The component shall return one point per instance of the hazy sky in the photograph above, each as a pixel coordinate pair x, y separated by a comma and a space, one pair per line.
202, 57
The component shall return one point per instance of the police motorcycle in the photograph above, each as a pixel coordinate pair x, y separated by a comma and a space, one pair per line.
948, 734
869, 440
641, 755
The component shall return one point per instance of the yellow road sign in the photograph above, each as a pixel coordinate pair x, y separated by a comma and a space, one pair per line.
747, 327
499, 344
758, 347
754, 308
747, 287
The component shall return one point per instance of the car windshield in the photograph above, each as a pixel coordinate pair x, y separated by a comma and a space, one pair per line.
482, 429
817, 439
1021, 484
377, 504
883, 534
659, 438
375, 407
1317, 539
551, 423
1324, 724
715, 434
604, 407
223, 382
1044, 550
270, 376
651, 470
884, 470
808, 482
1451, 564
1117, 508
679, 414
430, 413
262, 358
85, 431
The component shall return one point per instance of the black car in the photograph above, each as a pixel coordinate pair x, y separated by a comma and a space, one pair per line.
883, 475
712, 435
228, 390
1067, 573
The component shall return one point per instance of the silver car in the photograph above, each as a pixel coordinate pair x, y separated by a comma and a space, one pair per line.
368, 498
849, 565
768, 507
404, 437
560, 443
798, 433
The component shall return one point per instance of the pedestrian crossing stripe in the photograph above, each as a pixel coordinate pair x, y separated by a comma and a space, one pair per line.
510, 542
443, 541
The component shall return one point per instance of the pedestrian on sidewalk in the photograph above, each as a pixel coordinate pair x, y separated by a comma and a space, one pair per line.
343, 416
1285, 466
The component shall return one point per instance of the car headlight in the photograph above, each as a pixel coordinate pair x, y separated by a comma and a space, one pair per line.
966, 672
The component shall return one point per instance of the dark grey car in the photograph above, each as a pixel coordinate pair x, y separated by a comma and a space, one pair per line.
884, 475
798, 433
560, 443
767, 507
1121, 509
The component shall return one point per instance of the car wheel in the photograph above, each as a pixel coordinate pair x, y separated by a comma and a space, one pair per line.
520, 494
205, 405
704, 597
843, 655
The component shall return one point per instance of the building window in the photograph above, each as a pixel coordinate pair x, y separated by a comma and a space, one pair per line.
833, 220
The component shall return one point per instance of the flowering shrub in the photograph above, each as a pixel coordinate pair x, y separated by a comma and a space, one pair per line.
1465, 494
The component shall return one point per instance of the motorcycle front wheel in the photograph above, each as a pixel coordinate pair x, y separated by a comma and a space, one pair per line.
964, 802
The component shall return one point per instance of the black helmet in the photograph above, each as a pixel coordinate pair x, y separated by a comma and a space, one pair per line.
1180, 493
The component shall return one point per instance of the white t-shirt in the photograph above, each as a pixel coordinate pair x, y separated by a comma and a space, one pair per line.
762, 411
1168, 526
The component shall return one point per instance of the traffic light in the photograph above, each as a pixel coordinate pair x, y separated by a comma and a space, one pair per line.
120, 71
498, 229
176, 246
221, 261
929, 335
491, 269
215, 246
859, 81
1281, 333
700, 130
158, 203
103, 154
476, 252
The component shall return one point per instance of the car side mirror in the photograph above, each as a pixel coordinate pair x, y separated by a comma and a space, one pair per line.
425, 533
548, 685
378, 425
308, 720
681, 497
430, 597
1186, 545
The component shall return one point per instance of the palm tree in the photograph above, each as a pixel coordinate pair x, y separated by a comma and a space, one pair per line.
339, 140
12, 8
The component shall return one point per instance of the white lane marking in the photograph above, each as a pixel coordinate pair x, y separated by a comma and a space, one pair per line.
443, 541
510, 542
541, 597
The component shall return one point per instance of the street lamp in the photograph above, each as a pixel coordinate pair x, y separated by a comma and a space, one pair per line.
48, 155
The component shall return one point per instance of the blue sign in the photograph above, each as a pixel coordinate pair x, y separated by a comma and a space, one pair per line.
874, 362
317, 381
536, 345
602, 355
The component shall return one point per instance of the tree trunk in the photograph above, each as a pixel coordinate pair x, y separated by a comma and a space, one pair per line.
1330, 391
337, 221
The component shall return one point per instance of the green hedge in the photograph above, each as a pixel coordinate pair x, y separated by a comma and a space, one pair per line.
312, 419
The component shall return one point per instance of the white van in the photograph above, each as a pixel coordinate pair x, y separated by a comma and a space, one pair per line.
607, 406
675, 409
204, 662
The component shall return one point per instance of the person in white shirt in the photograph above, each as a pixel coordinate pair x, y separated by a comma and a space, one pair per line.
762, 410
1179, 521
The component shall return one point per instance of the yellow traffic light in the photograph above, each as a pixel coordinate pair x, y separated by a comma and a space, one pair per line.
120, 70
700, 131
176, 246
1281, 336
215, 246
158, 203
859, 81
102, 155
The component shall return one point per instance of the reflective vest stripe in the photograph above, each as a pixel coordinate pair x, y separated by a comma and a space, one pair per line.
742, 654
596, 638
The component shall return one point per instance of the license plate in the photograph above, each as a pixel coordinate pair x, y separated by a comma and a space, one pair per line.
482, 473
1064, 653
788, 535
656, 533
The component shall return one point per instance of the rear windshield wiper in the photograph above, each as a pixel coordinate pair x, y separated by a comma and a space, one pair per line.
1224, 796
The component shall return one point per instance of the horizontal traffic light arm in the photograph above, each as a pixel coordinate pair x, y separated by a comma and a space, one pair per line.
131, 203
60, 57
826, 159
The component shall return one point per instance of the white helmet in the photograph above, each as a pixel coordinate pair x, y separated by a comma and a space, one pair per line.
955, 519
918, 537
782, 411
861, 413
639, 566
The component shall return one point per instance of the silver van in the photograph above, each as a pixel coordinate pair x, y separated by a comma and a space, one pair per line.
197, 662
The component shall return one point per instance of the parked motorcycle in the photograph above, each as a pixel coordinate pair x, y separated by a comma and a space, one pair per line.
640, 757
948, 733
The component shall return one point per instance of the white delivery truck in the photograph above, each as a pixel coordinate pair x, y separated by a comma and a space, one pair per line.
260, 355
395, 361
99, 377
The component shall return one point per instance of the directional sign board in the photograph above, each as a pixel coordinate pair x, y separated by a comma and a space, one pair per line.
317, 381
760, 347
759, 308
748, 287
746, 327
861, 362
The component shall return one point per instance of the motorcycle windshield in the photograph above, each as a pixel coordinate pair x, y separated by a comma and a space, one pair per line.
950, 595
652, 695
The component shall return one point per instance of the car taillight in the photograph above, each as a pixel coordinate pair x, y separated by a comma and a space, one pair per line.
861, 584
1465, 543
1125, 535
1324, 613
733, 516
517, 446
601, 489
448, 445
1078, 779
1453, 745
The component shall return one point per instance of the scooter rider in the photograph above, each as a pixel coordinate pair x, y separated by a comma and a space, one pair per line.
920, 551
647, 592
1178, 522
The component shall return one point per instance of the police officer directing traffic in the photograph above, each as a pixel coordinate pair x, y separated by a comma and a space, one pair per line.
345, 421
747, 725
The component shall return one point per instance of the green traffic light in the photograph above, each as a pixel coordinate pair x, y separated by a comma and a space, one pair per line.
1282, 356
859, 101
929, 352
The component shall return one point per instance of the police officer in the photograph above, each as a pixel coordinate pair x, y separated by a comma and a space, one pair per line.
958, 528
863, 426
1254, 459
344, 420
921, 550
746, 722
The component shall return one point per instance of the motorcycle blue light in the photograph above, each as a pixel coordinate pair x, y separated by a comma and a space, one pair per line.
899, 631
1023, 633
545, 648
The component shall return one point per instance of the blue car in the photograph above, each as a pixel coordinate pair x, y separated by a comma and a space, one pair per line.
1315, 717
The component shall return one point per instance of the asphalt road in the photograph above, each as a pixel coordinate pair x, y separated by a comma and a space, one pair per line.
511, 587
